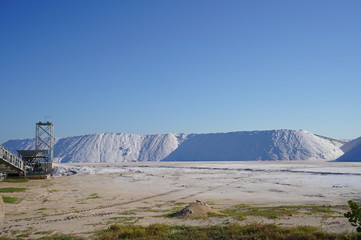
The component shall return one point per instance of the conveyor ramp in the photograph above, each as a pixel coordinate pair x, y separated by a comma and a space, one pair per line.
10, 163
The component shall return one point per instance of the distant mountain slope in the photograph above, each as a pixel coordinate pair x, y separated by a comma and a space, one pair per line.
256, 145
234, 146
353, 151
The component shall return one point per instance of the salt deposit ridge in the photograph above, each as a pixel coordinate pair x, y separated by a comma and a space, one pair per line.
352, 151
233, 146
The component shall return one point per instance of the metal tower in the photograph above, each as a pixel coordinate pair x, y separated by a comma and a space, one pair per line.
45, 138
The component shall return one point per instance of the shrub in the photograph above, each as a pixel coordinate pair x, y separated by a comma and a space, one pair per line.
354, 216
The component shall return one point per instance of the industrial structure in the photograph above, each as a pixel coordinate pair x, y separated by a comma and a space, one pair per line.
45, 138
31, 163
10, 164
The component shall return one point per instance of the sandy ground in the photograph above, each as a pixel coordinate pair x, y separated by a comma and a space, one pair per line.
141, 192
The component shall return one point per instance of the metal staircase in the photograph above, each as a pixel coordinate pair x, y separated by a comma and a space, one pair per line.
10, 163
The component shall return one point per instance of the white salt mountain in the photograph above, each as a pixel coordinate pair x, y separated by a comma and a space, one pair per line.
352, 151
107, 147
256, 145
233, 146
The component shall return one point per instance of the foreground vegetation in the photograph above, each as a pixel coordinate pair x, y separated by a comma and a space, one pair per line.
354, 215
12, 190
15, 180
8, 199
231, 231
242, 211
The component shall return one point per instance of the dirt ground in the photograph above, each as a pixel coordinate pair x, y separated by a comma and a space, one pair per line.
143, 193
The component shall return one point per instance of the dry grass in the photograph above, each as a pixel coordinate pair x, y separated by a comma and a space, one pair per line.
232, 231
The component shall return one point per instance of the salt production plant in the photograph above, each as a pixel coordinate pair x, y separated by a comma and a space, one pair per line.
36, 163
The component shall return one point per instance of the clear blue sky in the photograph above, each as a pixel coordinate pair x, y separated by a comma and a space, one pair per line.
142, 66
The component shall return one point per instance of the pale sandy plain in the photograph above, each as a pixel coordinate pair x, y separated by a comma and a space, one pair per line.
140, 193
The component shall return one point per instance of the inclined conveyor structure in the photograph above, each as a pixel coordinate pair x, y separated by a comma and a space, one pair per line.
11, 164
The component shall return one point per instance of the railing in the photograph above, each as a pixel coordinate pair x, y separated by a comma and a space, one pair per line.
11, 158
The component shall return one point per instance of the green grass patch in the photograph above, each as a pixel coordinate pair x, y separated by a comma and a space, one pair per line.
55, 190
211, 214
41, 209
309, 209
242, 211
180, 203
44, 232
16, 180
11, 190
94, 196
60, 237
231, 231
128, 213
14, 200
23, 235
126, 220
170, 212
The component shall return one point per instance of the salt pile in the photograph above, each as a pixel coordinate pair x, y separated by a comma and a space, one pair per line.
234, 146
197, 209
63, 170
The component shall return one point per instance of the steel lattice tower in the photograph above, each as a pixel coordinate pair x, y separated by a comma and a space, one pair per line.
45, 138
